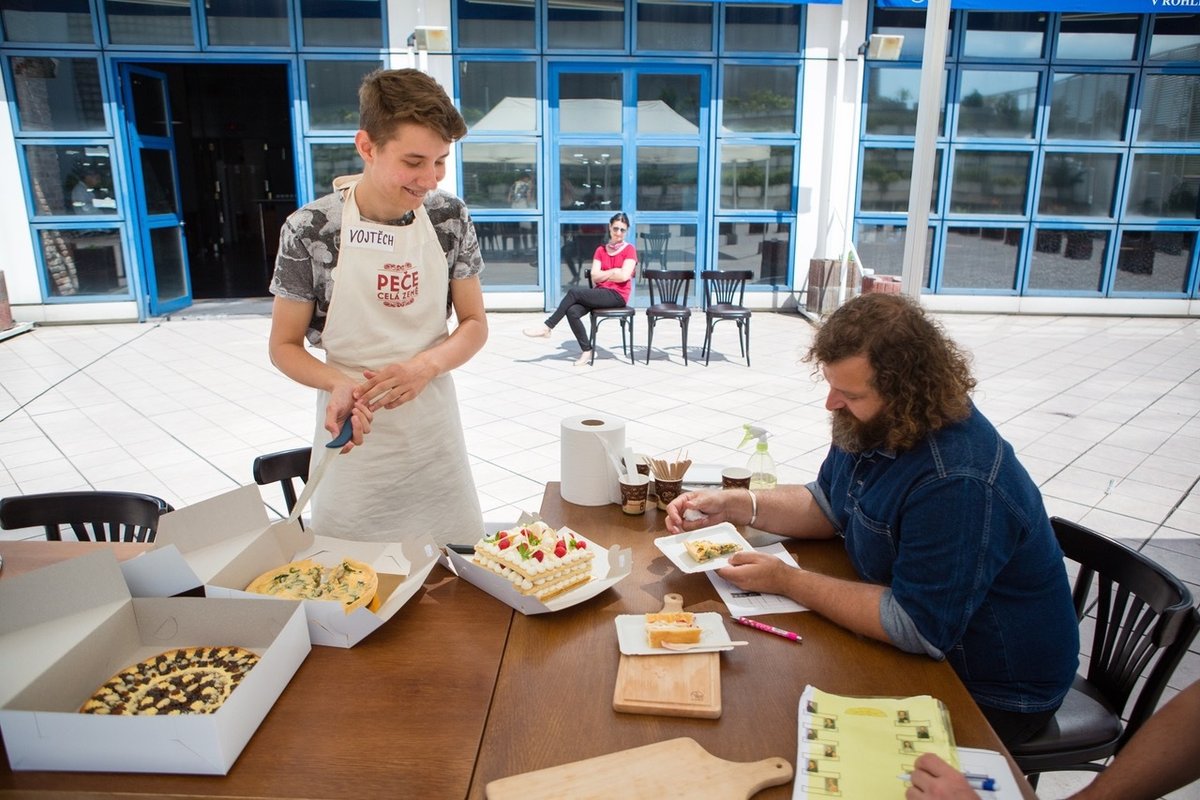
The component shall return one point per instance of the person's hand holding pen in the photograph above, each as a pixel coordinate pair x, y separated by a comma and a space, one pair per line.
934, 779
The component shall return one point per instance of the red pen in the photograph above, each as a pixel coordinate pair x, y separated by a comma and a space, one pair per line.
762, 626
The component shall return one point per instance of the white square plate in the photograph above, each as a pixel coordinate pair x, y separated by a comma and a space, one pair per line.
631, 636
674, 549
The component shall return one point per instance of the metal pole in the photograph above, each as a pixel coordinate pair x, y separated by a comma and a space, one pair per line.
929, 103
843, 39
852, 178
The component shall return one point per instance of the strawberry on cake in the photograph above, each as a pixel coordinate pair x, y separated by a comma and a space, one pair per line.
538, 560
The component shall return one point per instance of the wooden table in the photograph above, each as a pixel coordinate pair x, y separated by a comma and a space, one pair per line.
576, 649
399, 715
458, 690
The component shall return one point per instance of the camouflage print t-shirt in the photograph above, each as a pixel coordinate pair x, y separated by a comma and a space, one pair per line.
311, 236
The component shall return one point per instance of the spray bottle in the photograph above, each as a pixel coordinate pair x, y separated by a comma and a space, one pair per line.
761, 465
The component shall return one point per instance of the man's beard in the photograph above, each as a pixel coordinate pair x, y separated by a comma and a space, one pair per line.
854, 436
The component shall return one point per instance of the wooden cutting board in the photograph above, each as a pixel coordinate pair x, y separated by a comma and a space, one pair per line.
674, 768
677, 685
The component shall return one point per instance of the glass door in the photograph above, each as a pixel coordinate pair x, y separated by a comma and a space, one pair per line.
628, 138
159, 222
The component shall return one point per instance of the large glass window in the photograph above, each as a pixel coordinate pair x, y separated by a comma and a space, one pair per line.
333, 92
1154, 261
1079, 184
593, 176
892, 102
668, 103
58, 94
1176, 37
498, 95
881, 248
1170, 109
1165, 185
997, 104
1004, 34
71, 179
759, 99
989, 182
65, 21
1088, 105
1068, 260
667, 178
79, 262
247, 22
510, 251
578, 246
909, 23
595, 25
667, 246
674, 26
337, 23
499, 174
887, 179
1097, 37
499, 26
590, 102
762, 28
163, 22
981, 258
756, 177
330, 161
761, 247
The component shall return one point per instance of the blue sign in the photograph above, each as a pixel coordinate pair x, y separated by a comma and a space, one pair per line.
1095, 6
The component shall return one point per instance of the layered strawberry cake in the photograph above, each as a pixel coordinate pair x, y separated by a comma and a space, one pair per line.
537, 559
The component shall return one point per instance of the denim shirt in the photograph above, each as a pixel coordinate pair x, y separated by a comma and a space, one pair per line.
957, 529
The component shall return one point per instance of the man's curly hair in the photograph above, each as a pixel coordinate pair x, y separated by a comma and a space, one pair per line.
923, 377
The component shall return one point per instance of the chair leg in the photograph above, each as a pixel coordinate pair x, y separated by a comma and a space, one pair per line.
707, 349
592, 341
649, 338
747, 353
631, 339
683, 324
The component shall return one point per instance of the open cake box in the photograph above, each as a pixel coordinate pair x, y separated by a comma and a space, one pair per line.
609, 567
69, 627
225, 542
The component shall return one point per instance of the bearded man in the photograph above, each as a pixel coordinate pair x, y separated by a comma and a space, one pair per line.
943, 525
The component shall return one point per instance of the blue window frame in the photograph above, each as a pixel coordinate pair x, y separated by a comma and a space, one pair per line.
1104, 127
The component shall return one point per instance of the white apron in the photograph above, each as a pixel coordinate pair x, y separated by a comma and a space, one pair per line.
410, 476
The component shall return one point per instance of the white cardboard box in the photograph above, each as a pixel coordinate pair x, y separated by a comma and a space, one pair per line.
69, 627
608, 568
225, 542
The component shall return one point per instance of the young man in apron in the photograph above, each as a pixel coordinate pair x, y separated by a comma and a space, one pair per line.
370, 274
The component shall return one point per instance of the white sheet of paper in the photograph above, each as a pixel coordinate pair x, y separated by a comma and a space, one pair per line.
994, 765
753, 604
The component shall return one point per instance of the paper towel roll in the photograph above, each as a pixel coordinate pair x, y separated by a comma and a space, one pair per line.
589, 476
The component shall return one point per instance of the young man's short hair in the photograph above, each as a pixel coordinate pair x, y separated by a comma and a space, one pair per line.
389, 98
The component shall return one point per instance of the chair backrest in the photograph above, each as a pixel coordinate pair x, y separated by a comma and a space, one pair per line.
100, 516
1144, 619
725, 288
283, 466
669, 286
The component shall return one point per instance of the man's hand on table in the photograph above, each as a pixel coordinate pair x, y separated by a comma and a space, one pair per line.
692, 510
758, 572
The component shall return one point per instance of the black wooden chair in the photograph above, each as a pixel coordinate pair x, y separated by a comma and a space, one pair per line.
284, 466
1143, 624
100, 516
625, 314
669, 292
724, 293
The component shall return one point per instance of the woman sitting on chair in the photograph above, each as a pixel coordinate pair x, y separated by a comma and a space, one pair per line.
613, 266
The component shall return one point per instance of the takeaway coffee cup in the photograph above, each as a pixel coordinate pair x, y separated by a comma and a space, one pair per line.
735, 478
634, 493
667, 491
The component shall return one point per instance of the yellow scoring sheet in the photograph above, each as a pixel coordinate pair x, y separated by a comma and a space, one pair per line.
858, 747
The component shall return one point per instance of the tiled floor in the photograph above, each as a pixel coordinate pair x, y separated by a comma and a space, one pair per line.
1105, 413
